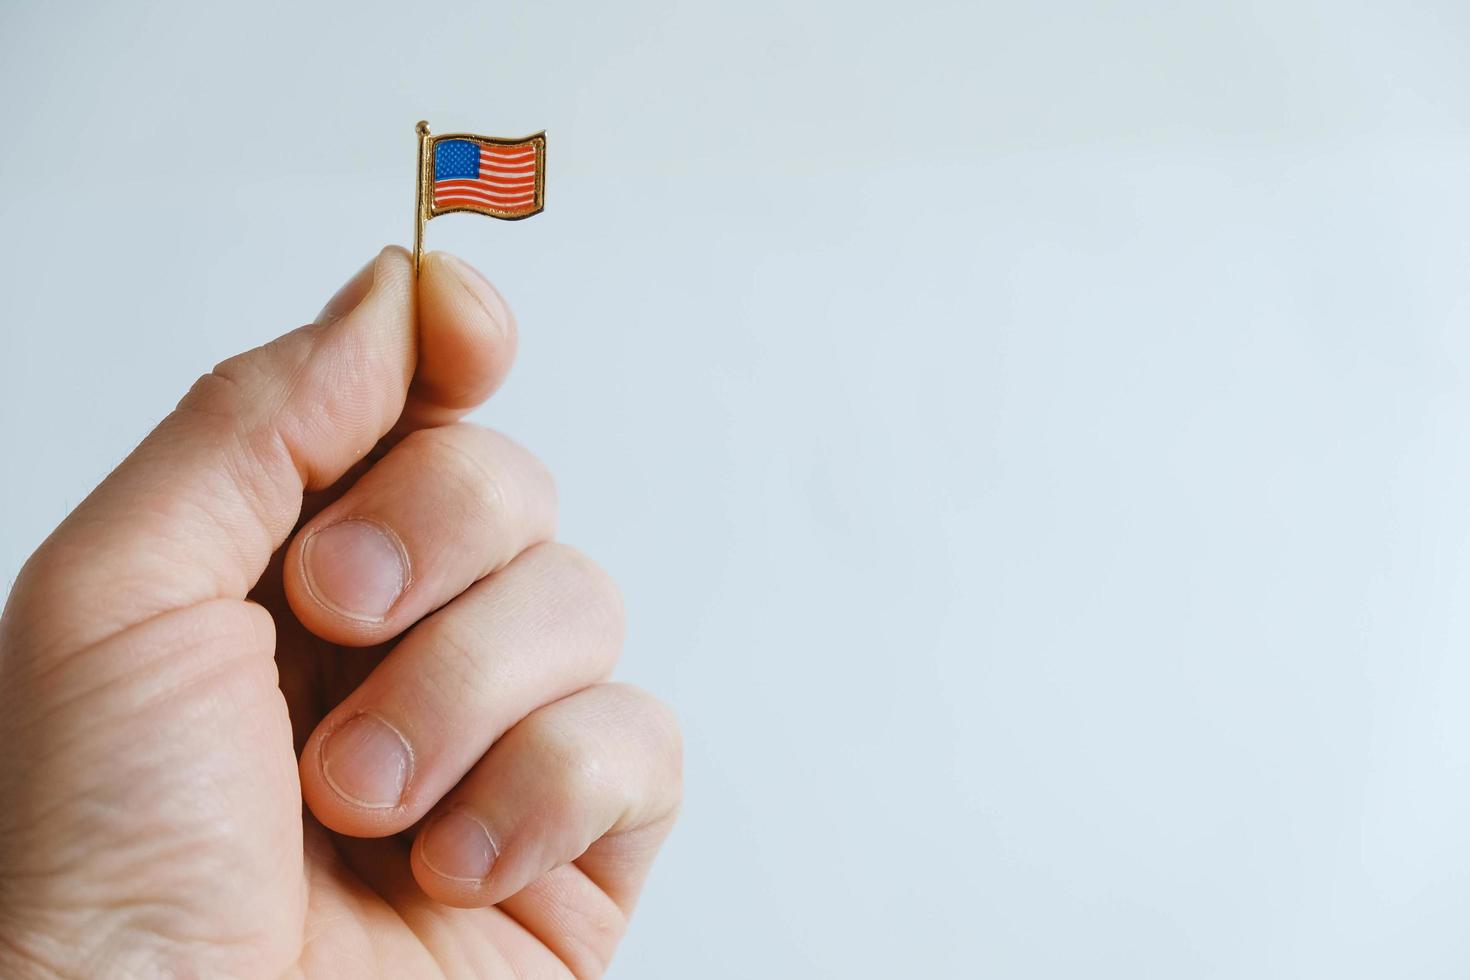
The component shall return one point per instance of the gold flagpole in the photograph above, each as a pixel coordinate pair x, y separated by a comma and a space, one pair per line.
421, 213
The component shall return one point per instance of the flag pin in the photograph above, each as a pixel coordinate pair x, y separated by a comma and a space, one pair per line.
492, 175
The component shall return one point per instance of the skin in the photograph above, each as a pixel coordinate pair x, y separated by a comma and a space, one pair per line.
306, 687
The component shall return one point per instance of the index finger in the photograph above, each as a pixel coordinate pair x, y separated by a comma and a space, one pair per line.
466, 343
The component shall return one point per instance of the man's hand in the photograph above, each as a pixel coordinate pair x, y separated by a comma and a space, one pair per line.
312, 584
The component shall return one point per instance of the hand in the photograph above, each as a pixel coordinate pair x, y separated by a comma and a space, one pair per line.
311, 557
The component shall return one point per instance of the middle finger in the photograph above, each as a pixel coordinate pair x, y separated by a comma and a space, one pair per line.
444, 508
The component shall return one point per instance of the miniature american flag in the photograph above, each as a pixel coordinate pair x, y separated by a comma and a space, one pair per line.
501, 178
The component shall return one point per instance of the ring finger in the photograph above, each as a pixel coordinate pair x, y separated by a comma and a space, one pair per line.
595, 779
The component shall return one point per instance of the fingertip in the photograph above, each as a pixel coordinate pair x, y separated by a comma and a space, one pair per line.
453, 856
388, 271
392, 282
344, 577
395, 262
467, 339
345, 299
355, 771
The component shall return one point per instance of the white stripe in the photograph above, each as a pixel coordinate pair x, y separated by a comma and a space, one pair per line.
513, 157
528, 184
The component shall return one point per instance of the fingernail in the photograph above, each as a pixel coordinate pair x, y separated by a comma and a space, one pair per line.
357, 568
458, 846
347, 298
479, 287
367, 762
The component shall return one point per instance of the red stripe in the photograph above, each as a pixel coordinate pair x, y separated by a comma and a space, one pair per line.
496, 205
504, 179
522, 149
506, 168
482, 192
489, 184
472, 199
508, 209
499, 199
482, 189
509, 187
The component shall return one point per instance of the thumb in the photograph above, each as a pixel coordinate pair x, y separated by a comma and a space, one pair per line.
195, 511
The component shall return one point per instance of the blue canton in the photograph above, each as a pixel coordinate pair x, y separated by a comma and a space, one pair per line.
456, 160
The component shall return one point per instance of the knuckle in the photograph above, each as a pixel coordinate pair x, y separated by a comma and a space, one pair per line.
41, 592
455, 455
251, 450
588, 948
486, 479
659, 724
653, 728
238, 386
572, 758
653, 714
215, 395
587, 584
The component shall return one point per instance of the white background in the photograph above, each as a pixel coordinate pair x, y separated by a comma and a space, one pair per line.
1032, 438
